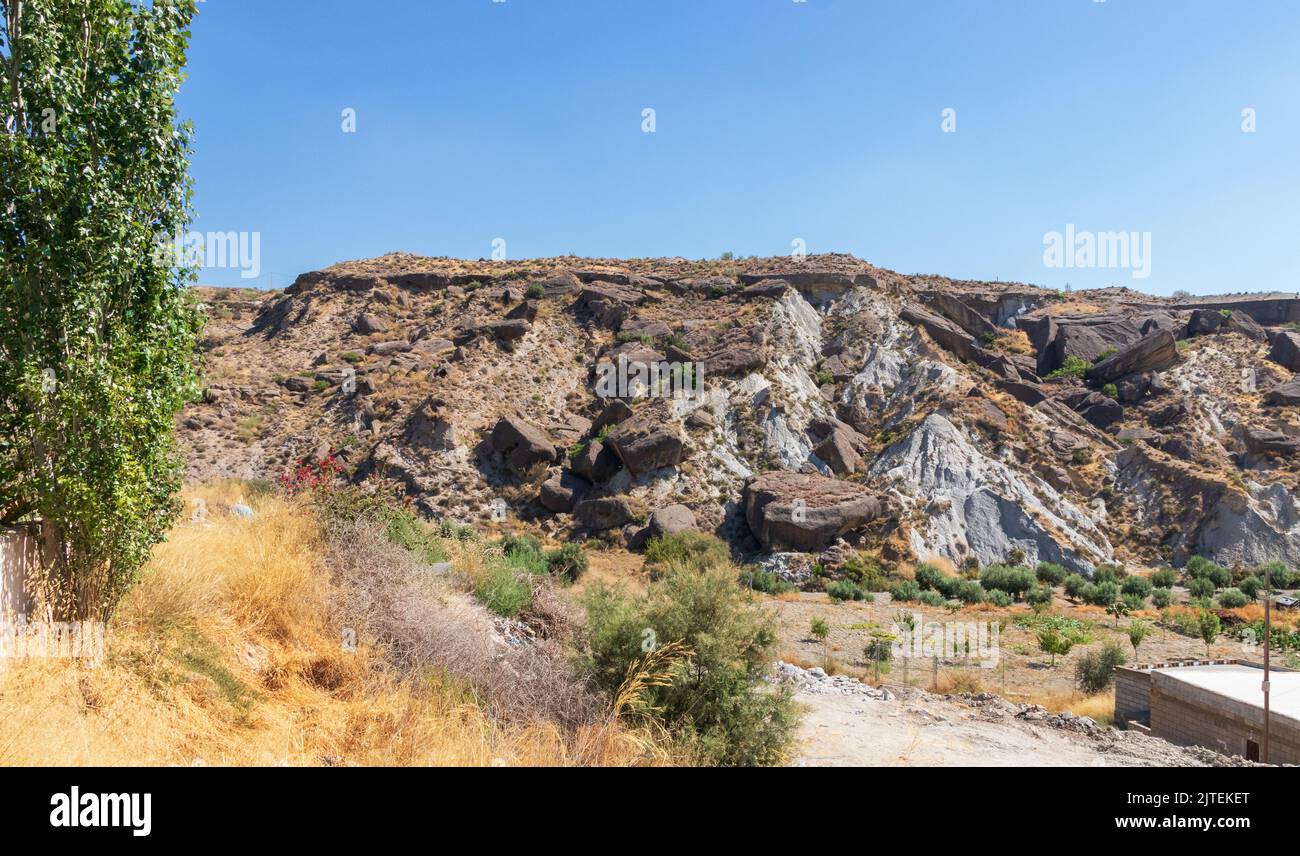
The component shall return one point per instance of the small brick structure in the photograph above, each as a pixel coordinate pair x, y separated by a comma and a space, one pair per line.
1218, 704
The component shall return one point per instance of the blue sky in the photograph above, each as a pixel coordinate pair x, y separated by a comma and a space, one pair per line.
775, 120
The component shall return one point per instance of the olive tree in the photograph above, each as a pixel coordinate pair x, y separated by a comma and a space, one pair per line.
97, 330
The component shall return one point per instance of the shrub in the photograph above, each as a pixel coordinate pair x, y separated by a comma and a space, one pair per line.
819, 629
1201, 587
536, 291
1012, 580
1039, 596
1095, 670
1108, 573
1280, 576
1208, 625
1101, 594
1054, 641
569, 562
1072, 367
865, 571
1051, 573
1075, 586
878, 650
931, 598
1251, 586
719, 701
928, 576
1163, 578
824, 377
768, 582
998, 597
1162, 597
1140, 586
1110, 390
504, 590
1134, 602
690, 549
905, 591
524, 553
1138, 630
969, 591
1201, 568
1233, 598
351, 357
842, 590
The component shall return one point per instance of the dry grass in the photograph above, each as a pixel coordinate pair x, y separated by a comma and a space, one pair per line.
230, 651
955, 682
1100, 707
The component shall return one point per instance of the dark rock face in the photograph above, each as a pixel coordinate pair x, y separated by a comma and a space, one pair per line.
526, 310
609, 303
947, 335
562, 491
773, 288
1286, 350
1084, 336
670, 520
959, 313
596, 462
815, 286
838, 452
1259, 441
1284, 394
367, 324
606, 512
733, 362
1028, 393
615, 412
800, 511
1155, 352
1264, 310
524, 445
638, 327
647, 441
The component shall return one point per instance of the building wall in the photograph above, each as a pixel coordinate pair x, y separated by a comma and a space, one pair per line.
1192, 716
1132, 696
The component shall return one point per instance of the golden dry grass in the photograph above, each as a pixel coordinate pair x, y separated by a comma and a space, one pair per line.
1100, 707
226, 653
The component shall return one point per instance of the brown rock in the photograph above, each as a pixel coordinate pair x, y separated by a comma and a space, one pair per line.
807, 512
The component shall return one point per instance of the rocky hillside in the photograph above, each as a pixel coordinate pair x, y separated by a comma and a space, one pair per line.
808, 409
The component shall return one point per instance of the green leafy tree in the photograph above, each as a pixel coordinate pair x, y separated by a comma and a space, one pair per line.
1209, 625
1053, 642
1138, 630
97, 330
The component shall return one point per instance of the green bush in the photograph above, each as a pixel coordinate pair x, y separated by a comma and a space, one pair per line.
536, 291
905, 592
1108, 573
1039, 596
1071, 367
1013, 580
568, 562
718, 701
1280, 576
1095, 670
931, 598
1163, 578
524, 553
1251, 586
1233, 598
504, 590
1140, 586
1162, 597
690, 550
969, 591
866, 572
767, 582
1110, 390
998, 597
845, 590
1101, 594
1075, 586
1201, 568
1201, 587
928, 576
1134, 602
1051, 573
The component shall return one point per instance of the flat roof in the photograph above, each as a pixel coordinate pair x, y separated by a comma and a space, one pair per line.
1242, 683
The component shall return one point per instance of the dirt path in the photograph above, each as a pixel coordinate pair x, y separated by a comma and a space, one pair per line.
847, 725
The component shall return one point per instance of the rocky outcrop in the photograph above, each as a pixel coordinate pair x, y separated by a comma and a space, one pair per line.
1261, 441
1155, 352
973, 505
1284, 394
562, 491
601, 513
1286, 350
596, 462
648, 441
523, 445
799, 511
947, 334
670, 520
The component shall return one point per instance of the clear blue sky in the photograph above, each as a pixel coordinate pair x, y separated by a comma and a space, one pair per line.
775, 120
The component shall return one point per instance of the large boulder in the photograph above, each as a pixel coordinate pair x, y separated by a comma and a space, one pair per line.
948, 335
1086, 337
959, 313
1286, 350
1284, 394
838, 452
523, 445
648, 441
801, 511
1261, 441
817, 286
670, 520
367, 323
429, 427
596, 462
1151, 353
605, 512
562, 491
